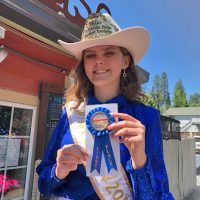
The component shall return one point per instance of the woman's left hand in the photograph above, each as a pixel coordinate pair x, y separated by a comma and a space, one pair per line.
132, 133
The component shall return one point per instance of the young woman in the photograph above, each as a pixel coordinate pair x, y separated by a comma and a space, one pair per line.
107, 74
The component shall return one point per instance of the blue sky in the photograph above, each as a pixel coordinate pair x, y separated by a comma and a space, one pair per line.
174, 27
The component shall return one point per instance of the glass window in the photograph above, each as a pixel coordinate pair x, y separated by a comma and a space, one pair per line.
5, 116
13, 183
3, 151
24, 149
21, 125
15, 134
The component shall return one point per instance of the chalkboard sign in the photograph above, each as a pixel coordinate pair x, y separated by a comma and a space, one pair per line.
54, 109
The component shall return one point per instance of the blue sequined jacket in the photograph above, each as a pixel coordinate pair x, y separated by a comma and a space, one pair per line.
148, 182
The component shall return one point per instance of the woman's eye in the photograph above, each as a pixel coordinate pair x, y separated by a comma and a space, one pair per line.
109, 53
89, 55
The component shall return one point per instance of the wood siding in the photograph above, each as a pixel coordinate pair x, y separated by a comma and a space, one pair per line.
181, 166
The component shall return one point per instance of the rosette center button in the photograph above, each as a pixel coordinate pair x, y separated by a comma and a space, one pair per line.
99, 121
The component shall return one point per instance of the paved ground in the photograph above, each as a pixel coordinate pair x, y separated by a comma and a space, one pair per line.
195, 195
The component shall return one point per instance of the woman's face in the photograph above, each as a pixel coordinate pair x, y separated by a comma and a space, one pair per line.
103, 65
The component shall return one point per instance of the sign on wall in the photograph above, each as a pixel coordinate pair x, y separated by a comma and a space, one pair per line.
62, 8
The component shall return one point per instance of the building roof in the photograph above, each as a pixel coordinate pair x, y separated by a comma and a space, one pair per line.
39, 19
143, 75
183, 111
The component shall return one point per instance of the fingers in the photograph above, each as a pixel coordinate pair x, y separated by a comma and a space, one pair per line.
132, 133
122, 124
135, 140
129, 126
71, 154
73, 150
67, 167
128, 121
124, 116
125, 132
64, 159
68, 158
130, 130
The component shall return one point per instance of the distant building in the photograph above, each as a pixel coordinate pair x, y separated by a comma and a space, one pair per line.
189, 118
170, 128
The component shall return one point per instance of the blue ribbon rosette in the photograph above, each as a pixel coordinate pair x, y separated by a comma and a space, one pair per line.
97, 121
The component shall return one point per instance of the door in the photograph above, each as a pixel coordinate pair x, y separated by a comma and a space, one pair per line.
51, 102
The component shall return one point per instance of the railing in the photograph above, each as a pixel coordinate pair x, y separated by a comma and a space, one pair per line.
170, 128
186, 126
193, 121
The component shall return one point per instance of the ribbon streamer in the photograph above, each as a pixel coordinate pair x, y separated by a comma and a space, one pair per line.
97, 121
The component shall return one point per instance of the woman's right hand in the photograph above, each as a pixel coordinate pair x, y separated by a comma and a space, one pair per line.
68, 157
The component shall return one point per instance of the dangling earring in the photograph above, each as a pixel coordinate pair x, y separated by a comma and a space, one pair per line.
124, 73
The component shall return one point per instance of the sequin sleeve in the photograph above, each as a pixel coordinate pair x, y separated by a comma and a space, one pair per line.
47, 181
151, 181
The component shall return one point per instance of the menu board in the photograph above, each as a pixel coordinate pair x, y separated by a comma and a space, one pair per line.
54, 109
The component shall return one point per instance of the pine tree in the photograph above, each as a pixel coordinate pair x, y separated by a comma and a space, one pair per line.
156, 92
194, 99
165, 91
150, 101
179, 96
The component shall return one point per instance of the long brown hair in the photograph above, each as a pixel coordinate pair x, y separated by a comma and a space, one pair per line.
81, 86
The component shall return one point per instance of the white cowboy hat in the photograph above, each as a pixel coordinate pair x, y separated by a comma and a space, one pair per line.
101, 29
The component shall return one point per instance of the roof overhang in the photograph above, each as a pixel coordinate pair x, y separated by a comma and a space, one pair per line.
26, 47
39, 19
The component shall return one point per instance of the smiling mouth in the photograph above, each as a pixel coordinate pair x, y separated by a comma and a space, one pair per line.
102, 71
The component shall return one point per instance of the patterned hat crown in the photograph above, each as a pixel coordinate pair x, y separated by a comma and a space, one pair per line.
99, 26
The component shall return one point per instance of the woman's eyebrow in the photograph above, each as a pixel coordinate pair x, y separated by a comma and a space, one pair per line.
110, 48
88, 51
93, 51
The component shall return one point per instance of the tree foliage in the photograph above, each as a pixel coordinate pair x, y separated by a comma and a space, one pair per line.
194, 99
150, 101
160, 92
159, 97
165, 91
156, 91
179, 95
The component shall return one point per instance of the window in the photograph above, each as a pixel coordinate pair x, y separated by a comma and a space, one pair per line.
16, 132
